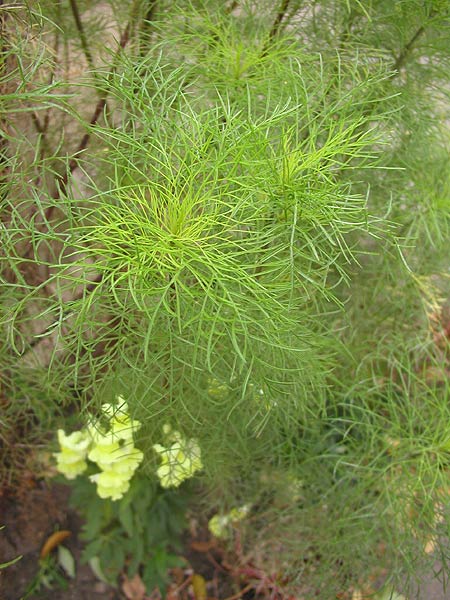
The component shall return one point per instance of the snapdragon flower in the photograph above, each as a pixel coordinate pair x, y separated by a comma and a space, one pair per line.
109, 445
110, 484
71, 461
179, 461
112, 455
121, 426
114, 452
219, 524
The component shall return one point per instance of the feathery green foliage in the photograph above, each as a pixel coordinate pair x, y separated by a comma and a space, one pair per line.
238, 218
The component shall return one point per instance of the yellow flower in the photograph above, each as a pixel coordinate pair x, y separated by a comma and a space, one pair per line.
118, 463
104, 452
179, 461
68, 467
219, 524
110, 484
113, 456
74, 448
109, 445
121, 426
127, 461
77, 441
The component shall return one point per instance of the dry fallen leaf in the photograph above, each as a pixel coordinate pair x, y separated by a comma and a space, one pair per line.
199, 587
204, 546
134, 588
172, 593
177, 574
54, 540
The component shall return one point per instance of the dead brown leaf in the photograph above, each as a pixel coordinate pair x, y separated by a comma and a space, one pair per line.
134, 588
172, 593
199, 587
203, 546
54, 540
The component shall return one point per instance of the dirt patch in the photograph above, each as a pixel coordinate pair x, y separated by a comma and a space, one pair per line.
32, 513
29, 518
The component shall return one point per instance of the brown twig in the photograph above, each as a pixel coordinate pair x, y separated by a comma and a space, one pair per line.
217, 565
401, 59
83, 39
4, 51
276, 25
232, 6
183, 585
63, 179
41, 129
37, 123
82, 33
280, 15
146, 23
85, 290
244, 590
53, 70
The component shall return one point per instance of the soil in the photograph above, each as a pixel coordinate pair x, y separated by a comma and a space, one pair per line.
33, 513
29, 519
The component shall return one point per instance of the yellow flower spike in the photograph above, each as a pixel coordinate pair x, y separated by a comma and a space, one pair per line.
74, 448
180, 461
219, 524
127, 461
111, 448
119, 408
68, 456
104, 452
121, 425
118, 463
77, 441
123, 429
110, 485
68, 467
